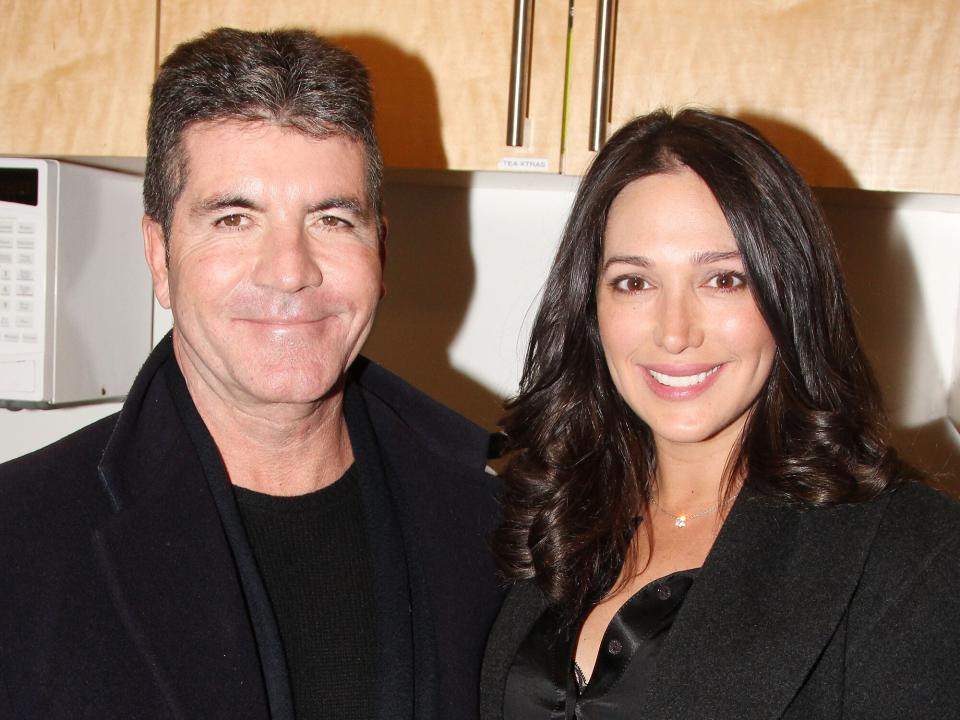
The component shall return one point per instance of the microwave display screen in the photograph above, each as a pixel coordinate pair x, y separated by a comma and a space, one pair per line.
19, 185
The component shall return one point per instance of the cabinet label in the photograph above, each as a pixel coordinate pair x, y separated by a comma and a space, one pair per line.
520, 163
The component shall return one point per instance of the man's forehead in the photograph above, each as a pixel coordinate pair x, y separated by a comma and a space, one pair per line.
230, 152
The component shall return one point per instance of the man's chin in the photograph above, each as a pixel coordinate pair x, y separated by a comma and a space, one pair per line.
293, 386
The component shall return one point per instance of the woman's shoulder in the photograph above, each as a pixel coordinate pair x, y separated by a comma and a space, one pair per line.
904, 621
921, 518
916, 550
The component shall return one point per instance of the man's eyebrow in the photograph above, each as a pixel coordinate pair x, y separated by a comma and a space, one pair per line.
340, 202
216, 203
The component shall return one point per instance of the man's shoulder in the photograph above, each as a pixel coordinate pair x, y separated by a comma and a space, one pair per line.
62, 469
442, 428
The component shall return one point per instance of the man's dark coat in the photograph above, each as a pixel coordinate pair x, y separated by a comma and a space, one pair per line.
803, 614
121, 595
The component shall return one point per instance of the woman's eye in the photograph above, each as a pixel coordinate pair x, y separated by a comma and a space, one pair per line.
630, 284
727, 281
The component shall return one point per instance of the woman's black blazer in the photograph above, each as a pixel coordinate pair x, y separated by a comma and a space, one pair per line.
802, 613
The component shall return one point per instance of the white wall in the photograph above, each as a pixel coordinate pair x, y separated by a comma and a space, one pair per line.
468, 254
465, 264
901, 257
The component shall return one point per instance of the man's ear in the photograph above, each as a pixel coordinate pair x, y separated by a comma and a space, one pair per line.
384, 231
155, 251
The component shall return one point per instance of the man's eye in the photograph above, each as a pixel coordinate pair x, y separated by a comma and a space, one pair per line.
727, 281
231, 221
331, 221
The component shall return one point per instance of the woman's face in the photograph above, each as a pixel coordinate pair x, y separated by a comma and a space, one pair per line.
683, 338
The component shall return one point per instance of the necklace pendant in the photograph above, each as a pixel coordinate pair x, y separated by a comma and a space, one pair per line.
681, 521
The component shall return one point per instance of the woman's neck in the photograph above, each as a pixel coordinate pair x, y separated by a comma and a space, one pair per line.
689, 476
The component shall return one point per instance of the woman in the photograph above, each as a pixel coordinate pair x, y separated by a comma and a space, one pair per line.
702, 516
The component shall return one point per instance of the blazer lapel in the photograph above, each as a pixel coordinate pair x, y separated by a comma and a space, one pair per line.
770, 595
522, 607
169, 569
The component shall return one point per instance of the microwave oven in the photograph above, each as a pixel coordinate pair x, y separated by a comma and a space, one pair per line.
75, 293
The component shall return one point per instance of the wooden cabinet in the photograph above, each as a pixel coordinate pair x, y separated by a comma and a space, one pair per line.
75, 76
858, 93
440, 69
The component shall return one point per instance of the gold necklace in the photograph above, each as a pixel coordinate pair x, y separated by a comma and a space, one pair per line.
681, 520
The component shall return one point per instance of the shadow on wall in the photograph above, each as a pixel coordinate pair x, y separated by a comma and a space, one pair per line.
893, 324
430, 280
407, 110
889, 308
430, 273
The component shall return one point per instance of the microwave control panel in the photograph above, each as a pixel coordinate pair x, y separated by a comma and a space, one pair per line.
20, 280
23, 257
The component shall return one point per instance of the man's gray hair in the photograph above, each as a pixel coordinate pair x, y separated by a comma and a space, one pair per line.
290, 77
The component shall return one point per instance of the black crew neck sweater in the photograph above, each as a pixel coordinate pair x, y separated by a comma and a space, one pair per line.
312, 553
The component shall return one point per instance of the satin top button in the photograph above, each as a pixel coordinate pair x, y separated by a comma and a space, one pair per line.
664, 592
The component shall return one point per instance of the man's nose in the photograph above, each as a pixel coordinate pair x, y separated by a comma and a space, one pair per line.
679, 322
286, 261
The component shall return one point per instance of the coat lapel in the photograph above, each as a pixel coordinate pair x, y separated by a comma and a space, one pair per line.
397, 456
771, 593
386, 545
168, 566
433, 462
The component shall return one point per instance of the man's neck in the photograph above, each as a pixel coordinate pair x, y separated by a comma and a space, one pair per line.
278, 449
294, 461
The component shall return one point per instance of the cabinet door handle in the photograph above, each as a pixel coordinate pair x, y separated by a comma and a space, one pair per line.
519, 70
602, 72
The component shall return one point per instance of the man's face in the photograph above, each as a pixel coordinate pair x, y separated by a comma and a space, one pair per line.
275, 265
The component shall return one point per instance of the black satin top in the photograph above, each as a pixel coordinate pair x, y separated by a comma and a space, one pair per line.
543, 683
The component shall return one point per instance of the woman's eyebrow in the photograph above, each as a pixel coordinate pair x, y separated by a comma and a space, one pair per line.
707, 257
638, 260
703, 257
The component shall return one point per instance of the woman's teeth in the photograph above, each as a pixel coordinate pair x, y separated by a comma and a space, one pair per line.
682, 380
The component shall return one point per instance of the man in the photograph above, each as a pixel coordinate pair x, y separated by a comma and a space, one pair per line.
272, 527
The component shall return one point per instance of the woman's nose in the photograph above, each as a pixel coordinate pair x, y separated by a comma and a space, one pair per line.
679, 325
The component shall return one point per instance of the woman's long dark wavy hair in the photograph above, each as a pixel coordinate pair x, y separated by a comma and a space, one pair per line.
582, 462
